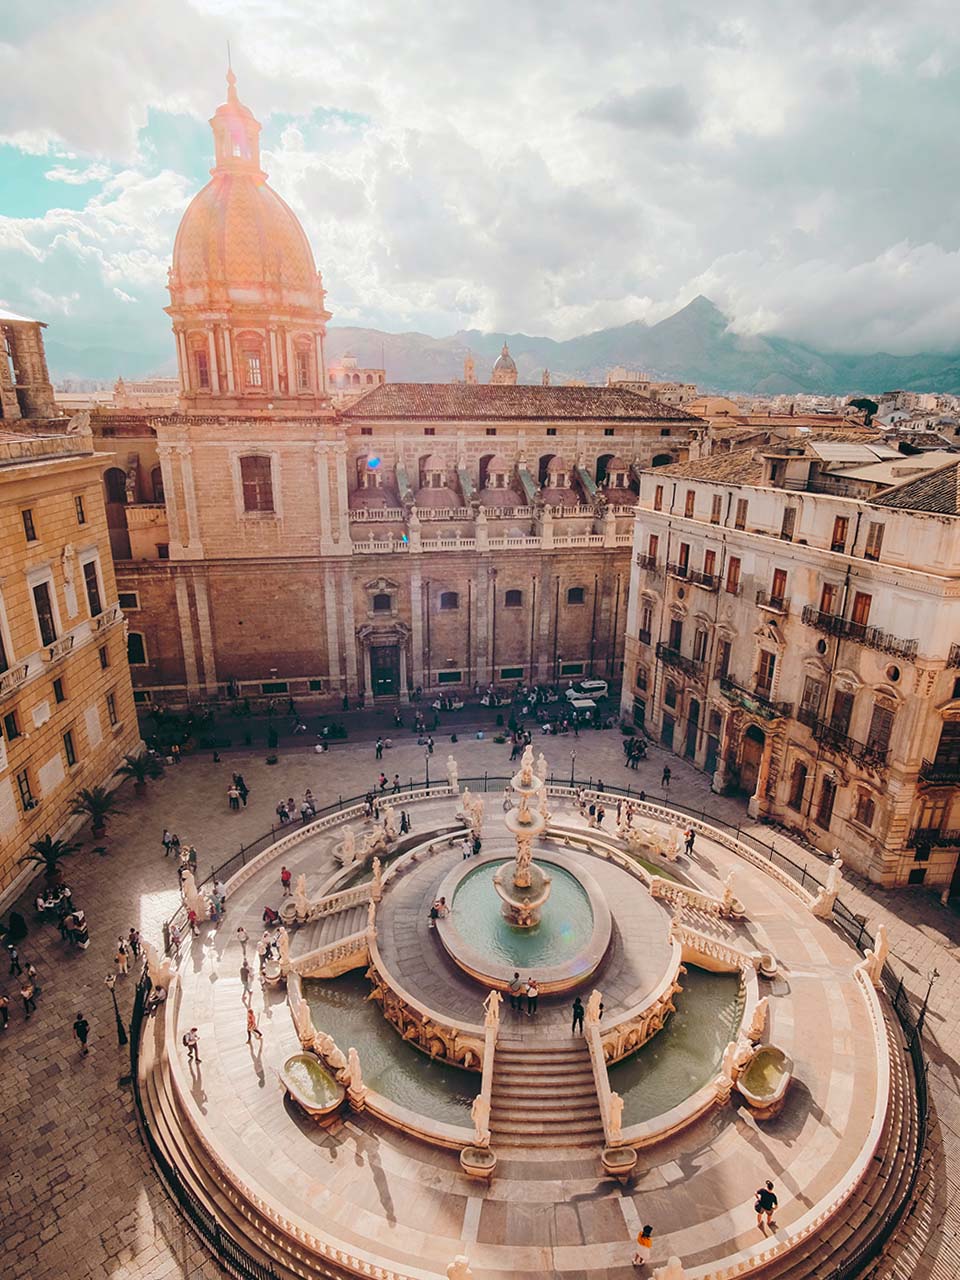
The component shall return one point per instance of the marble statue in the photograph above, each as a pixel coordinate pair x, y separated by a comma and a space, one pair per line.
671, 850
348, 845
390, 822
300, 897
332, 1055
354, 1079
492, 1005
159, 969
303, 1021
671, 1270
476, 814
728, 1069
377, 878
283, 947
459, 1268
758, 1021
192, 898
453, 774
541, 769
521, 873
615, 1117
822, 905
594, 1006
874, 958
526, 766
372, 916
727, 898
480, 1115
544, 810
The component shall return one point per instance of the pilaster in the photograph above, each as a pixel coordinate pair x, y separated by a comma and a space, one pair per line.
334, 664
214, 363
322, 454
190, 500
349, 631
186, 634
416, 624
165, 452
343, 511
206, 634
274, 362
228, 358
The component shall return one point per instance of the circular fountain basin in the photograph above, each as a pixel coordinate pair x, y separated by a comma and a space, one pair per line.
562, 951
311, 1085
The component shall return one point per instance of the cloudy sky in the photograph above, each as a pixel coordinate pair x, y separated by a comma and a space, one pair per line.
535, 165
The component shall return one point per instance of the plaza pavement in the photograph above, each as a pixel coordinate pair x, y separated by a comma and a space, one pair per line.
78, 1198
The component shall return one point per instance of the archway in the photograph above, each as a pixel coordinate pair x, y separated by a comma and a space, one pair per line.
751, 753
714, 725
115, 502
693, 725
601, 470
662, 460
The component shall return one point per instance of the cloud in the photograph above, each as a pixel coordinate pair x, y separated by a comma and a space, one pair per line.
658, 108
78, 177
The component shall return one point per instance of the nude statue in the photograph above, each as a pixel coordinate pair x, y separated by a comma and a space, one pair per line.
615, 1117
492, 1005
480, 1115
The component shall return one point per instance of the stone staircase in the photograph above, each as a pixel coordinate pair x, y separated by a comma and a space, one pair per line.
544, 1095
331, 928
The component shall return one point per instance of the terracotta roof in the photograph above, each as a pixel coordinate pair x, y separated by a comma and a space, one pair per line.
443, 400
937, 492
739, 466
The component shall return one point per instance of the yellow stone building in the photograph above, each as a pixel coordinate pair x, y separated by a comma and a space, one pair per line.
66, 703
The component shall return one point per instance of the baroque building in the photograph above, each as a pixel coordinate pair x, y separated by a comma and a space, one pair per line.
274, 536
796, 640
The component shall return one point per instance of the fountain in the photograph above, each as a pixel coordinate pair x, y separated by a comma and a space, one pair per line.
524, 887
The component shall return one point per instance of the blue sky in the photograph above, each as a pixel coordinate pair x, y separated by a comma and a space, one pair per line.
521, 166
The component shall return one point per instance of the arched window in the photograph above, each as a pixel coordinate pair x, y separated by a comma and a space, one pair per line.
382, 602
136, 649
356, 379
369, 379
302, 361
576, 595
257, 481
201, 367
513, 599
449, 600
662, 460
156, 483
115, 483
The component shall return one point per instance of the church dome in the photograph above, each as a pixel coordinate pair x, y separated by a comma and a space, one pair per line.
505, 362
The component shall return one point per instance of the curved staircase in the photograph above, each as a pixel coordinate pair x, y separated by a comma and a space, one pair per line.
544, 1095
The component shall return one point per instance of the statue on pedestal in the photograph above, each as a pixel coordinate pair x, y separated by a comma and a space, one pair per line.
372, 916
160, 971
377, 879
822, 905
390, 822
492, 1005
356, 1089
348, 846
594, 1008
671, 1270
327, 1047
453, 775
874, 958
283, 947
303, 1021
459, 1268
300, 897
615, 1117
541, 769
758, 1020
526, 766
480, 1115
193, 900
521, 875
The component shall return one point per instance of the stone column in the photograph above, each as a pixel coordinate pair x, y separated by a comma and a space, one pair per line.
228, 359
165, 453
190, 499
343, 512
291, 371
184, 360
186, 635
274, 362
323, 491
367, 675
480, 640
333, 630
206, 634
214, 366
416, 625
321, 366
404, 692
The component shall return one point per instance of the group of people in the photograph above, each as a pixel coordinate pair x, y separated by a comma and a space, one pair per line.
634, 750
237, 793
29, 987
521, 990
126, 947
57, 904
288, 809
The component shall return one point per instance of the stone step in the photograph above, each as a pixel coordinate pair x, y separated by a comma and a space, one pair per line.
521, 1112
566, 1092
518, 1078
536, 1056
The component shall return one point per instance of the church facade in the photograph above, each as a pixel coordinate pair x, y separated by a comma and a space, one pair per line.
270, 540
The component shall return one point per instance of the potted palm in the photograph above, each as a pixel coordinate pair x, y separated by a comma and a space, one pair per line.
140, 768
49, 853
97, 804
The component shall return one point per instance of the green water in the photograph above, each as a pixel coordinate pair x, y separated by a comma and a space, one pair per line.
312, 1081
566, 920
764, 1073
390, 1065
682, 1057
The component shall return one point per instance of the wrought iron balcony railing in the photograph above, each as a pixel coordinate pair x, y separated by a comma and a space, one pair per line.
777, 604
755, 700
940, 771
709, 581
953, 660
859, 632
674, 658
933, 836
678, 570
649, 563
833, 739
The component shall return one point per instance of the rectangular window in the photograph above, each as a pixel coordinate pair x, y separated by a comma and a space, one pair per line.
257, 480
723, 659
860, 614
29, 528
683, 559
699, 645
511, 673
112, 708
608, 431
778, 587
658, 498
838, 540
254, 369
44, 607
874, 541
646, 623
429, 431
740, 515
653, 546
27, 802
203, 370
709, 563
163, 550
104, 658
716, 508
275, 686
789, 524
768, 662
58, 693
81, 514
449, 677
129, 600
733, 576
69, 748
881, 728
92, 584
676, 634
11, 726
811, 700
366, 431
315, 686
571, 668
865, 809
491, 431
828, 597
303, 370
842, 711
551, 431
828, 794
136, 649
689, 502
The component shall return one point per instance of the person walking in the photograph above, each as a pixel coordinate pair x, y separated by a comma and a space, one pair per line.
243, 938
246, 979
430, 745
233, 795
404, 822
4, 1012
81, 1029
252, 1028
133, 942
688, 838
286, 875
382, 781
28, 994
242, 788
15, 966
578, 1012
379, 749
121, 957
533, 996
515, 991
175, 752
665, 777
282, 813
765, 1206
644, 1242
192, 1040
395, 789
167, 841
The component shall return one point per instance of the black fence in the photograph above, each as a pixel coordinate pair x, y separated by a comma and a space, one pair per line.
850, 923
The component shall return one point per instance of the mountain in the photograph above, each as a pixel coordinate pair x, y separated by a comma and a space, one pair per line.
693, 345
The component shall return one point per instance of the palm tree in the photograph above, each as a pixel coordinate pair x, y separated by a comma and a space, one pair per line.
140, 768
97, 804
49, 853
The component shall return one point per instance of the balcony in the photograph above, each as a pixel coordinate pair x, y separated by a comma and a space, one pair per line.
833, 739
678, 570
775, 604
859, 632
754, 700
60, 648
944, 771
709, 581
13, 678
106, 619
934, 837
674, 658
649, 563
643, 636
953, 660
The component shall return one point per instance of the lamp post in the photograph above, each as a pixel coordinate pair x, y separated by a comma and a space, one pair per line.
923, 1010
573, 765
110, 982
426, 767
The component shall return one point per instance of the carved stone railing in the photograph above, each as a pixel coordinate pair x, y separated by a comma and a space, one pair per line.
518, 541
712, 953
444, 513
683, 895
376, 546
364, 514
333, 903
13, 678
333, 959
579, 540
60, 648
106, 619
486, 1079
601, 1080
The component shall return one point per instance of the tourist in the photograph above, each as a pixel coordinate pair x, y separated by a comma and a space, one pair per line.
600, 788
263, 948
644, 1241
282, 813
404, 822
241, 787
81, 1029
310, 802
688, 838
430, 746
133, 942
578, 1012
465, 848
233, 796
395, 790
286, 875
243, 938
476, 846
4, 1012
382, 781
601, 814
252, 1028
191, 1040
220, 889
167, 840
515, 991
194, 922
28, 994
175, 752
121, 958
155, 1000
270, 916
665, 777
433, 915
379, 749
765, 1206
592, 814
15, 966
442, 909
533, 996
175, 939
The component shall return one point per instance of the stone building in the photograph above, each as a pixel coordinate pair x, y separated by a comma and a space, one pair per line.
799, 645
66, 702
436, 536
25, 390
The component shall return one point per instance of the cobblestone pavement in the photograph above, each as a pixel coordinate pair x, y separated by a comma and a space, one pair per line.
78, 1198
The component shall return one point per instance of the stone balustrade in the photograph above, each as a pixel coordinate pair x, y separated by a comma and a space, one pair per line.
334, 958
712, 953
683, 895
336, 902
13, 678
60, 648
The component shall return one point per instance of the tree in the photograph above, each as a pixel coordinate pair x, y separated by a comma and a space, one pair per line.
140, 768
97, 804
49, 853
869, 408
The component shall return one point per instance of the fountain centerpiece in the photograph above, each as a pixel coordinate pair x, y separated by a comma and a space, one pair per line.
524, 887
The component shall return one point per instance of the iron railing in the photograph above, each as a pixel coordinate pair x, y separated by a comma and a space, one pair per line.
936, 837
834, 739
779, 604
953, 659
873, 637
674, 658
942, 771
756, 699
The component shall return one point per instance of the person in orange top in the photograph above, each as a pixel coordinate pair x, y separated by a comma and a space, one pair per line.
252, 1028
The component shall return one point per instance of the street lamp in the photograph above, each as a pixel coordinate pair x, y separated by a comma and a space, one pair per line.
426, 767
573, 765
923, 1011
110, 982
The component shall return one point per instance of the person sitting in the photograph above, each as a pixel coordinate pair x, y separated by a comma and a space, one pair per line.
270, 916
